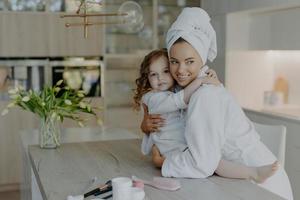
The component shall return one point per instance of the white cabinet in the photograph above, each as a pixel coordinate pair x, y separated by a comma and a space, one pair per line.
124, 51
292, 162
43, 34
215, 7
219, 24
10, 165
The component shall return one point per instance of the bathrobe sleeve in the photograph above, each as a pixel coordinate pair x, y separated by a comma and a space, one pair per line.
147, 144
160, 103
164, 102
204, 135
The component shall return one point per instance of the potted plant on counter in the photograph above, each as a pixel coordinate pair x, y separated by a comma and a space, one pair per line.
52, 105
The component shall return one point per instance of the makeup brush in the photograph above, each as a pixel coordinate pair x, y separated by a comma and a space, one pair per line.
100, 190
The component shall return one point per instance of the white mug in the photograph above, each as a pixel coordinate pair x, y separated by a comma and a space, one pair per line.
137, 193
121, 187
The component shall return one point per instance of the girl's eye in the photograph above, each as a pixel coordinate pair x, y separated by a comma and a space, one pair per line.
173, 62
152, 75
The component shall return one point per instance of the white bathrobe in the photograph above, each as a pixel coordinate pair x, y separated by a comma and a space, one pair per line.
216, 127
170, 138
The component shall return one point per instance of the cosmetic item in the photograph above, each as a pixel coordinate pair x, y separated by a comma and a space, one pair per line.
138, 184
137, 193
273, 98
100, 190
281, 85
79, 197
161, 183
105, 197
121, 188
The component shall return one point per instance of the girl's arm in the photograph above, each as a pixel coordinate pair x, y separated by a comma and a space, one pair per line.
162, 102
211, 78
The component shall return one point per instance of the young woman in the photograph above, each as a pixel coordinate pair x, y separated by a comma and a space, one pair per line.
216, 126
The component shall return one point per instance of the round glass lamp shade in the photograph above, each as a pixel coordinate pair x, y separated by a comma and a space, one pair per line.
133, 21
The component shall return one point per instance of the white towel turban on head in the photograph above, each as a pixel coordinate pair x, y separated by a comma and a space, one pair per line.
193, 25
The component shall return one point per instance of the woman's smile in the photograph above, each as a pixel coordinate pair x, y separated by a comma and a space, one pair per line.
185, 63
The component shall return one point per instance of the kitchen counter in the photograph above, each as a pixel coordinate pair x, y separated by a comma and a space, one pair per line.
69, 170
284, 112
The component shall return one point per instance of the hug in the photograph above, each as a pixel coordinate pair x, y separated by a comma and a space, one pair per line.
193, 126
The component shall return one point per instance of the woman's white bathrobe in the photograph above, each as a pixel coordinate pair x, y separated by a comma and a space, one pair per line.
217, 127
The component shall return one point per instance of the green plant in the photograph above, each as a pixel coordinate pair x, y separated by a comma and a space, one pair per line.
56, 102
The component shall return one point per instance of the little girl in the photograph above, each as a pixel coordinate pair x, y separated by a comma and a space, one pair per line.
156, 89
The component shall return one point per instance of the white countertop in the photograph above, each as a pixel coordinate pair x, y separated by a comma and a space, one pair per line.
68, 169
291, 112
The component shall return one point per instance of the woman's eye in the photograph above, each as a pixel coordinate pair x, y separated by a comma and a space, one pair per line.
166, 71
173, 62
190, 62
152, 75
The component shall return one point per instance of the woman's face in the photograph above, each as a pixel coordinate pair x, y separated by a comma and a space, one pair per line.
185, 63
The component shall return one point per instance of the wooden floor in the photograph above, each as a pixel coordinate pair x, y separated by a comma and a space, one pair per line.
12, 195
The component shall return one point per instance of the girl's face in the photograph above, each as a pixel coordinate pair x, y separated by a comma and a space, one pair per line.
159, 76
185, 63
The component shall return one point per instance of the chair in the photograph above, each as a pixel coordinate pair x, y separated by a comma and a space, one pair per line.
274, 137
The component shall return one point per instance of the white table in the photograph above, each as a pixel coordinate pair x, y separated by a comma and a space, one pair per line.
69, 169
29, 187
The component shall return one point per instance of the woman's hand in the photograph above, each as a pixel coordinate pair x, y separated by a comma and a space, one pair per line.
151, 123
211, 78
157, 159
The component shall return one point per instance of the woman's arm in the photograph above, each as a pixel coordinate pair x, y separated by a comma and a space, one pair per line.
151, 123
204, 134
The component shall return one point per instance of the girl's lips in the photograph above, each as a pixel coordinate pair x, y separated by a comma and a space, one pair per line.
162, 84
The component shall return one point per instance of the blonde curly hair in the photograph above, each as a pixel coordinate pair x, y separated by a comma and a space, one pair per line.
142, 83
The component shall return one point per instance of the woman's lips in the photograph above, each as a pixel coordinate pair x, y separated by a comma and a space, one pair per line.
182, 78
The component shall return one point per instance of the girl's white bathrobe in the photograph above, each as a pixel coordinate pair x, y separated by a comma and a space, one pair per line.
217, 127
170, 138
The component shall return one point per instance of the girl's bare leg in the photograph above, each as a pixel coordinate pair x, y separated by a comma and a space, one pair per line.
234, 170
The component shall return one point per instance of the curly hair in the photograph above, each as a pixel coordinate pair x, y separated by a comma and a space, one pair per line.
142, 83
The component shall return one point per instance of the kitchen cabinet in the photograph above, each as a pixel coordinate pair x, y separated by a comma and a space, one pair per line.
43, 34
158, 17
263, 25
48, 36
216, 7
10, 146
292, 162
219, 24
125, 51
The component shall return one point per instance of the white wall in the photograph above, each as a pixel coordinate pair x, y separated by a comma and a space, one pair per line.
248, 75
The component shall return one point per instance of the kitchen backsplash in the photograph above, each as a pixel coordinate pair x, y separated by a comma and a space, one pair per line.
250, 73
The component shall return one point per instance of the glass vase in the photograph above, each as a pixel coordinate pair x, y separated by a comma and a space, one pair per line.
49, 133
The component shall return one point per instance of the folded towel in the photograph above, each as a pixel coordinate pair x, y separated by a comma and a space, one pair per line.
193, 25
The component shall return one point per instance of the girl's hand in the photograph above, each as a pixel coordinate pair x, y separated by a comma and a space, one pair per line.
151, 123
211, 78
157, 159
